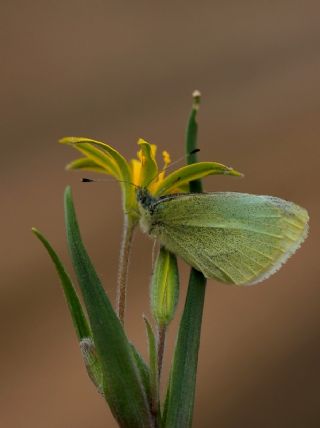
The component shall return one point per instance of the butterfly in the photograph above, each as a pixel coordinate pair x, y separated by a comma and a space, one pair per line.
235, 238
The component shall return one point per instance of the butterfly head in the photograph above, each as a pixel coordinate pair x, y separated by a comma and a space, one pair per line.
144, 198
145, 202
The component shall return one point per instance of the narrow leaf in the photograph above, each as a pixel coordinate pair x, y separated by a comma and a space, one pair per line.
179, 403
181, 390
143, 370
123, 386
79, 320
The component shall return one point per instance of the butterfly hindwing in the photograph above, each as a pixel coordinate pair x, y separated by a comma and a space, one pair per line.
235, 238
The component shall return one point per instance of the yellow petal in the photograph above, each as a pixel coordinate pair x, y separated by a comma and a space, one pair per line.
149, 167
156, 182
166, 159
87, 164
109, 158
135, 171
93, 150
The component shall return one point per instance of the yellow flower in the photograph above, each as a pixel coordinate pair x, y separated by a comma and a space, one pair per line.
140, 172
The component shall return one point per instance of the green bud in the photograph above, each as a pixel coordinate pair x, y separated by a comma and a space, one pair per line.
93, 366
164, 287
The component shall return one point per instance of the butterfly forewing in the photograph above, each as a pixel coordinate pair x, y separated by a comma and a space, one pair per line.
235, 238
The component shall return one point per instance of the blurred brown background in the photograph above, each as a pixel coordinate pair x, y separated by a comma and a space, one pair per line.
117, 71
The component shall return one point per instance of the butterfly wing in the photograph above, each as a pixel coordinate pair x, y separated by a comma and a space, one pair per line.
235, 238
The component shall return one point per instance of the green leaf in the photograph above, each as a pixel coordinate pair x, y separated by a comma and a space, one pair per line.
79, 320
123, 387
179, 403
181, 390
192, 172
143, 370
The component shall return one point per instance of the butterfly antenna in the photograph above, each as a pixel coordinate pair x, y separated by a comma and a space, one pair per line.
87, 180
99, 180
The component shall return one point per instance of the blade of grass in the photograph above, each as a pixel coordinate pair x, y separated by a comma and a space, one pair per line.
123, 386
78, 317
179, 404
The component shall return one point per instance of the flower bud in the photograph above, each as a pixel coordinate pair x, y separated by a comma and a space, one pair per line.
164, 287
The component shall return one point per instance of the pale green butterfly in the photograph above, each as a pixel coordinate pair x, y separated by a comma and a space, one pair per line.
236, 238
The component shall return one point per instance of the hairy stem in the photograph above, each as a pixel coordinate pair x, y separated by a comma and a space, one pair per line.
125, 251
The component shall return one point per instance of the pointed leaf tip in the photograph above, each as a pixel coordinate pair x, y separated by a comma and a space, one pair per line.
78, 317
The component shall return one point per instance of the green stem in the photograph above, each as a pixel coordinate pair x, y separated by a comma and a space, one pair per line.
161, 340
154, 374
125, 251
162, 330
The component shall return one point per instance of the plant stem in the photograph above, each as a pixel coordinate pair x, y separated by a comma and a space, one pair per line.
125, 251
161, 339
162, 330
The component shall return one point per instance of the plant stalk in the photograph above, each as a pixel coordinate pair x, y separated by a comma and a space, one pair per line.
161, 339
162, 330
125, 252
